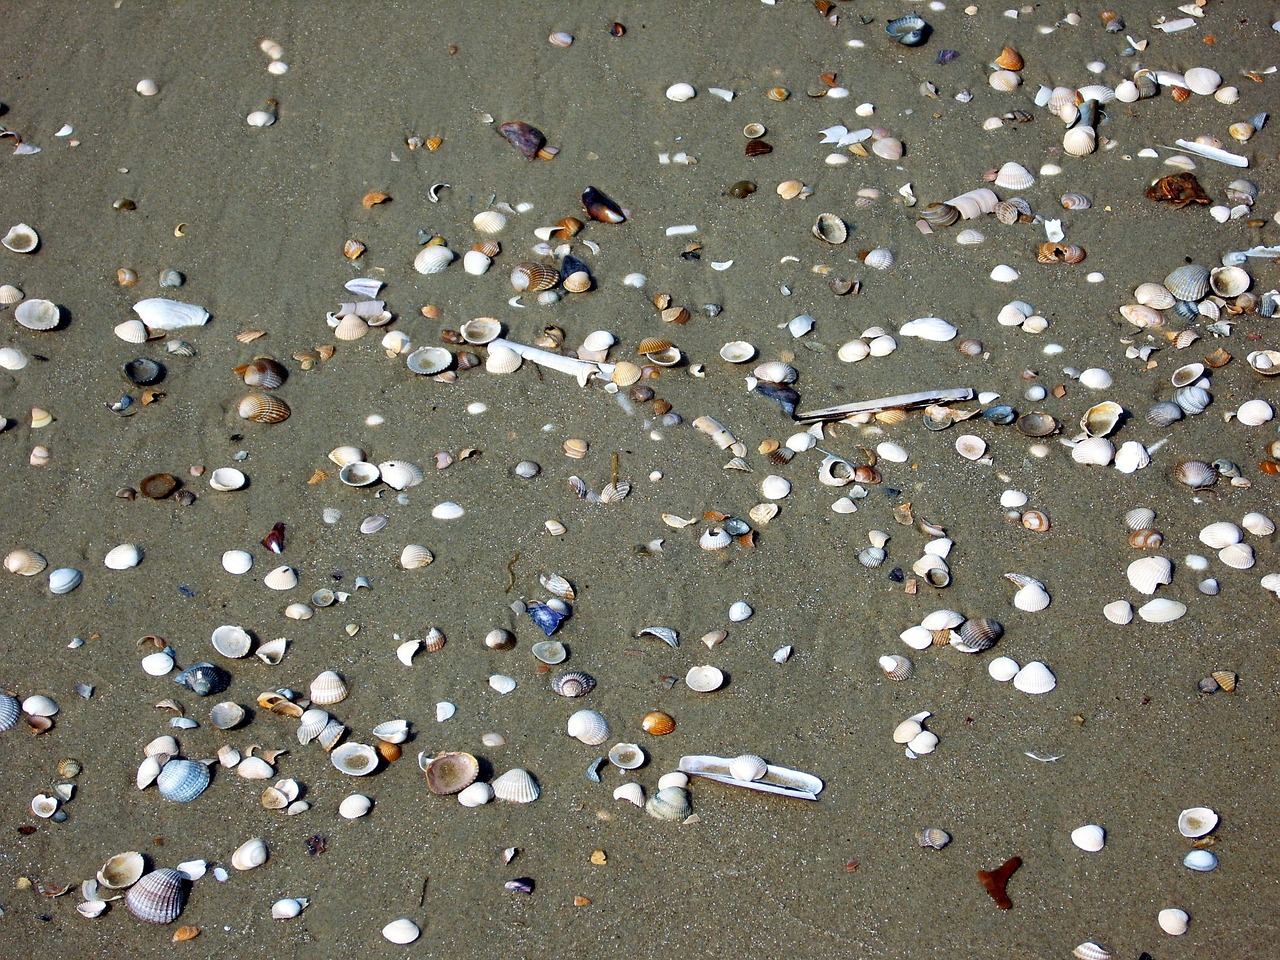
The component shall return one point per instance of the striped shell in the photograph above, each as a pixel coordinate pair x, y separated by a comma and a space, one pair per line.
182, 781
415, 556
896, 667
433, 258
533, 277
1075, 201
262, 372
939, 214
328, 687
589, 727
502, 359
261, 408
1014, 176
575, 683
351, 327
933, 837
10, 710
26, 563
1188, 282
516, 786
489, 221
159, 896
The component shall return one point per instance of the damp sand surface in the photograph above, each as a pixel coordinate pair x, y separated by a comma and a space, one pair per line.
266, 214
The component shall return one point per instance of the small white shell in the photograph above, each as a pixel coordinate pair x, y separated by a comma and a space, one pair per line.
283, 577
401, 931
1003, 669
704, 679
415, 556
774, 487
1118, 612
740, 611
123, 557
680, 92
1035, 678
354, 807
1196, 821
250, 854
1089, 838
1173, 921
1161, 610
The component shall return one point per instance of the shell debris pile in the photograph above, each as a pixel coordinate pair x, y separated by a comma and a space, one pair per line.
513, 414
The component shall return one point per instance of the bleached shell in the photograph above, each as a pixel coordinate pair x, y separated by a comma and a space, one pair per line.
1003, 669
970, 237
1161, 610
226, 715
1031, 598
476, 262
934, 329
158, 897
123, 557
489, 221
1014, 176
1172, 920
1035, 678
1132, 456
1220, 534
328, 688
1095, 451
1090, 951
933, 837
1154, 295
774, 487
392, 731
311, 723
1229, 281
448, 510
415, 556
1238, 556
1196, 821
589, 727
1202, 80
924, 742
516, 786
907, 731
1259, 524
121, 871
64, 580
289, 907
942, 620
747, 767
351, 327
159, 313
882, 345
231, 641
1140, 518
896, 667
1095, 378
131, 331
879, 259
1080, 141
475, 795
433, 259
250, 854
704, 679
1090, 838
1141, 315
254, 768
1147, 574
917, 638
1118, 612
714, 538
354, 759
283, 577
237, 562
1254, 413
631, 792
971, 447
737, 351
400, 474
402, 931
1004, 80
502, 359
1201, 861
775, 371
891, 452
26, 563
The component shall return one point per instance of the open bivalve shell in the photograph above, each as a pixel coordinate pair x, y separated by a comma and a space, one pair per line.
451, 772
704, 679
355, 759
1196, 821
232, 641
1035, 678
121, 871
627, 756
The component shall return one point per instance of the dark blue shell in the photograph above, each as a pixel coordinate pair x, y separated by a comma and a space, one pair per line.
203, 679
547, 619
1001, 414
786, 397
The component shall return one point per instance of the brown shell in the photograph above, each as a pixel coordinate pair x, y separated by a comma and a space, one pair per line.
1226, 680
678, 315
1146, 539
490, 248
373, 198
182, 934
261, 408
653, 345
657, 723
569, 227
451, 773
353, 249
1036, 521
264, 373
158, 486
1009, 59
534, 277
1180, 94
758, 147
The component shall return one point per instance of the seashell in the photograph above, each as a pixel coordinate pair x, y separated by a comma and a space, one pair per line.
1035, 678
775, 371
1238, 556
704, 679
1004, 81
627, 756
159, 896
64, 580
402, 931
896, 667
575, 683
1258, 524
1229, 281
534, 277
159, 313
934, 838
502, 359
261, 408
182, 780
669, 803
354, 759
476, 795
872, 557
1220, 534
1031, 598
975, 203
774, 487
1254, 413
910, 31
262, 372
38, 314
299, 611
589, 727
1265, 362
26, 563
1014, 176
1132, 456
516, 786
939, 214
1202, 80
400, 474
933, 329
231, 641
1188, 282
1161, 610
657, 724
971, 447
121, 871
1093, 451
829, 228
1196, 821
1146, 574
762, 513
1118, 612
631, 792
1003, 669
1164, 414
250, 855
290, 907
714, 538
433, 258
1089, 838
21, 238
414, 556
748, 768
1202, 861
1075, 201
489, 221
978, 634
1080, 141
281, 578
131, 331
310, 725
1173, 921
346, 454
226, 715
1196, 474
392, 731
1090, 951
351, 327
1192, 400
888, 148
328, 688
480, 330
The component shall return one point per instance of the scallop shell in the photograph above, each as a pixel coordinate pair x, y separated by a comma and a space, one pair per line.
1035, 678
534, 277
879, 259
433, 259
328, 688
1259, 524
1238, 556
489, 221
1221, 533
262, 408
37, 314
1188, 282
934, 838
159, 896
516, 786
1014, 176
400, 474
1254, 413
1080, 141
1005, 81
182, 780
1147, 574
414, 556
589, 727
1196, 474
26, 563
283, 577
775, 371
502, 360
1090, 951
1094, 451
631, 792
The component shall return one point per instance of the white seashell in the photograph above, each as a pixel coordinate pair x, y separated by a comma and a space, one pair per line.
289, 907
1095, 378
1035, 678
1004, 80
401, 931
159, 313
1094, 451
1118, 612
1196, 821
415, 556
476, 794
882, 345
907, 731
774, 487
476, 262
489, 221
281, 578
971, 447
502, 683
1172, 920
447, 511
1258, 524
1146, 574
704, 679
1090, 838
1238, 556
1090, 951
445, 711
502, 359
892, 452
1254, 413
943, 620
255, 768
1201, 861
589, 727
747, 767
1014, 176
740, 611
131, 331
299, 611
250, 854
516, 786
1132, 456
673, 779
1161, 610
1003, 669
400, 474
1031, 598
775, 371
934, 329
714, 538
353, 807
432, 259
1003, 273
631, 792
158, 664
925, 742
231, 641
1080, 141
1154, 295
392, 731
879, 258
680, 92
917, 638
1221, 534
1202, 80
970, 237
799, 326
354, 759
123, 557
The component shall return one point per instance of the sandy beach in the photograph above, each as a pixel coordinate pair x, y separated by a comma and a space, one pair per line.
405, 101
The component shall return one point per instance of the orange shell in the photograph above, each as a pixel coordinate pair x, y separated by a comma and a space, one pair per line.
373, 198
1009, 59
490, 248
676, 315
353, 249
569, 227
389, 752
534, 277
658, 723
1180, 93
1146, 539
653, 345
433, 143
188, 932
1036, 521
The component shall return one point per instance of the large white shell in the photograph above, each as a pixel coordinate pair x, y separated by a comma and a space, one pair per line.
516, 786
1148, 573
354, 807
1090, 838
1173, 921
1003, 669
1035, 678
1014, 176
231, 641
774, 487
704, 679
123, 557
1118, 612
1254, 413
1259, 524
929, 328
432, 259
589, 727
1196, 821
1220, 534
1161, 610
250, 854
159, 313
401, 931
281, 578
237, 562
475, 795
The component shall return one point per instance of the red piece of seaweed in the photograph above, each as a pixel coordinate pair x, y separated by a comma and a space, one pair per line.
995, 881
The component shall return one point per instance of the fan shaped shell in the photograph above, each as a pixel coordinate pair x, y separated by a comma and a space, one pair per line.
159, 896
516, 786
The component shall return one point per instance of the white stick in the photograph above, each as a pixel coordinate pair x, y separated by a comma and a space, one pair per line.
570, 365
1213, 153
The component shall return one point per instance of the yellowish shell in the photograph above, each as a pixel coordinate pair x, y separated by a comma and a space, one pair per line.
261, 408
657, 723
625, 373
26, 563
351, 327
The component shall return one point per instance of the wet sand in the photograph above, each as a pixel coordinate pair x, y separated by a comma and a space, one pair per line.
267, 212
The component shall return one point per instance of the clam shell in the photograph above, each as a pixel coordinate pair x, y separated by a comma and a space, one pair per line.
1014, 176
21, 238
281, 578
359, 474
489, 221
159, 896
896, 667
415, 556
502, 359
311, 723
263, 408
1147, 574
1259, 524
1034, 678
775, 371
26, 563
1188, 282
1196, 474
1254, 413
131, 331
631, 792
933, 838
37, 314
64, 580
1173, 921
1080, 141
480, 330
1154, 295
1164, 414
346, 454
739, 351
226, 715
1202, 861
250, 854
534, 277
10, 710
627, 756
829, 228
476, 795
1094, 451
400, 474
433, 259
231, 641
1196, 821
669, 803
451, 772
1220, 534
227, 479
428, 361
516, 786
402, 931
589, 727
1091, 951
182, 780
1003, 669
159, 313
1229, 281
328, 688
392, 731
354, 759
121, 871
1161, 610
1238, 556
933, 329
704, 679
748, 767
